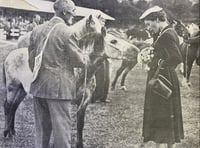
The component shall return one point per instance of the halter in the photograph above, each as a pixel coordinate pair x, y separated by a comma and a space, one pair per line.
85, 74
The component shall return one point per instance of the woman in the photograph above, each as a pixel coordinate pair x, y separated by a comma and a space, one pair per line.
163, 118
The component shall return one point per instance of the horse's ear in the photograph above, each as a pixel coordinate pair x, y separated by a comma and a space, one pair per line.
174, 22
90, 18
99, 16
177, 21
103, 31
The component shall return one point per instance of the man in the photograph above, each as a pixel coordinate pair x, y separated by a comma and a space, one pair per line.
36, 21
54, 87
24, 40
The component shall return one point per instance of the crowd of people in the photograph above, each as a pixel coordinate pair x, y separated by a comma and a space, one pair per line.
14, 22
14, 27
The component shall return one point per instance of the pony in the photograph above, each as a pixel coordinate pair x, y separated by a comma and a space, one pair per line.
17, 74
129, 52
86, 81
189, 50
138, 32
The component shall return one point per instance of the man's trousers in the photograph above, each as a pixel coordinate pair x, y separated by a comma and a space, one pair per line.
52, 115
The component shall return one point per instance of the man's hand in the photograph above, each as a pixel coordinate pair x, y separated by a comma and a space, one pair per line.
105, 56
86, 58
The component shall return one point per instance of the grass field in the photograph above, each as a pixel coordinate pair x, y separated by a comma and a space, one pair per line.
112, 125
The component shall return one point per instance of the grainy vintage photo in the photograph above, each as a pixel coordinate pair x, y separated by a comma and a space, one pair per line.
99, 74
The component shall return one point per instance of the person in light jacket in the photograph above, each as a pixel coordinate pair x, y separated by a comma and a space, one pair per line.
54, 87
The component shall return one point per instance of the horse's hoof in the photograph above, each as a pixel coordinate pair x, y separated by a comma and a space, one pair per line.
112, 88
189, 84
123, 88
79, 145
13, 132
106, 101
7, 134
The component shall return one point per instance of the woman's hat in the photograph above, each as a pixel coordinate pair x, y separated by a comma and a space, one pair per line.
149, 11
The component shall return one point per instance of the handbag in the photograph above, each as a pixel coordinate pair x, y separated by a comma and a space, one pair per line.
159, 84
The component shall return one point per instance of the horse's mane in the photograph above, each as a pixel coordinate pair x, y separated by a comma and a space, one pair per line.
96, 45
96, 40
79, 25
81, 28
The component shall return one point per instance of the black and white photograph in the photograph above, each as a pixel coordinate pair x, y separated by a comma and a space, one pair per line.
99, 74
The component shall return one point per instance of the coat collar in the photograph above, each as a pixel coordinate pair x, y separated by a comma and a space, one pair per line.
57, 19
161, 33
167, 27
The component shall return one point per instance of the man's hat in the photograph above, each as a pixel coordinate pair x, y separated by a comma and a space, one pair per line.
149, 11
69, 5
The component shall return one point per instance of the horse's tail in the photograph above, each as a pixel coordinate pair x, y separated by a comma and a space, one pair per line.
4, 75
4, 82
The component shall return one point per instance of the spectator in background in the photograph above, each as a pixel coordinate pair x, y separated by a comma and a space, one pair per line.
36, 21
24, 40
7, 27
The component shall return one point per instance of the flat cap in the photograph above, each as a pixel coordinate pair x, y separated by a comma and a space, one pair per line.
69, 5
149, 11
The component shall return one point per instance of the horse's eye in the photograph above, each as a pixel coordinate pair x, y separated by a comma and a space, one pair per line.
92, 23
113, 41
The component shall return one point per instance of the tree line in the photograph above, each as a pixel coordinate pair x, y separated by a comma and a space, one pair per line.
128, 11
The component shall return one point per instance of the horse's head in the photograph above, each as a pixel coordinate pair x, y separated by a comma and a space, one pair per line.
93, 24
93, 43
181, 29
193, 29
86, 26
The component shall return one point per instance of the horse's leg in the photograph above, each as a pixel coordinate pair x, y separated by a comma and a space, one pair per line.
189, 68
15, 94
184, 52
80, 125
80, 119
99, 75
106, 82
190, 57
181, 69
118, 73
18, 99
11, 91
128, 69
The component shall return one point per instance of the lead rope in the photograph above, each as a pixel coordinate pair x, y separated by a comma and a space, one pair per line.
186, 62
85, 83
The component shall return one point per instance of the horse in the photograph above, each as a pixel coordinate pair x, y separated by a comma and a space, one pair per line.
129, 60
189, 50
24, 40
17, 75
86, 83
137, 32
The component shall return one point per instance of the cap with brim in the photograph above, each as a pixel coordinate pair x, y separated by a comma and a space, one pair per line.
149, 11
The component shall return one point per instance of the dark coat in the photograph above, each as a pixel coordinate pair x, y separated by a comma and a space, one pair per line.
55, 78
163, 118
